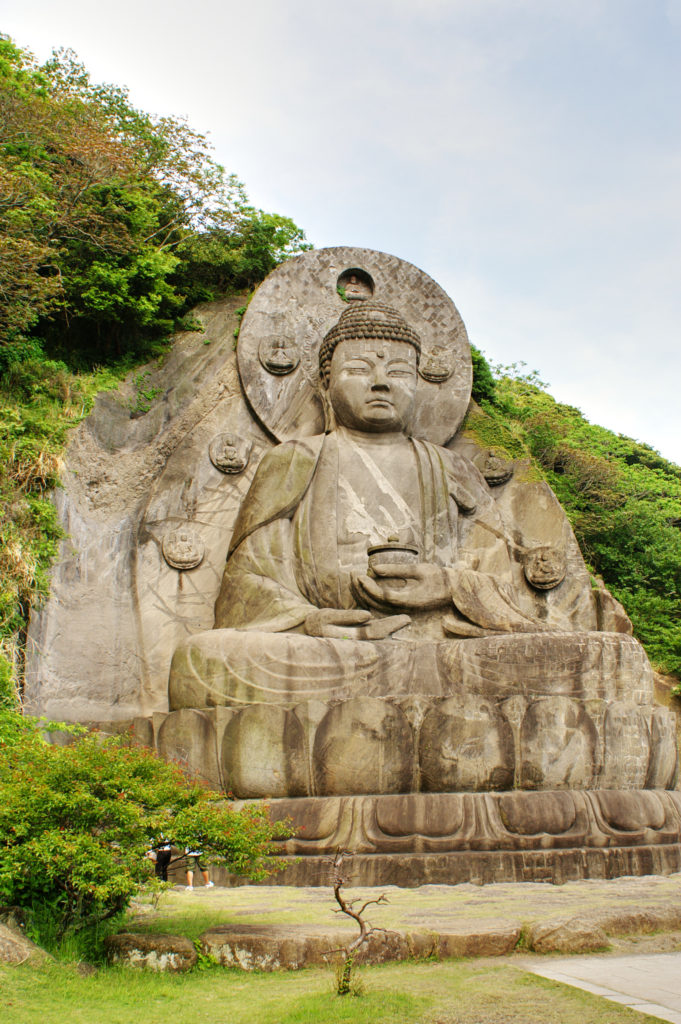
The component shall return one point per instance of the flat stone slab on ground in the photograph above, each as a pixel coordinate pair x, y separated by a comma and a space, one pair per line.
291, 947
269, 928
650, 983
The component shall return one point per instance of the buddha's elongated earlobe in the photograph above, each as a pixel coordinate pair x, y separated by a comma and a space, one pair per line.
330, 422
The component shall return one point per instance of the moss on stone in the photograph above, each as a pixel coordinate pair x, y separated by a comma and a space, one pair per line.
491, 432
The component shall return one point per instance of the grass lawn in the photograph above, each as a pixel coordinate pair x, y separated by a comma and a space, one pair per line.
450, 992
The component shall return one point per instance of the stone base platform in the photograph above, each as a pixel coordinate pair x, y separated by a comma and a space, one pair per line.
412, 870
448, 838
548, 711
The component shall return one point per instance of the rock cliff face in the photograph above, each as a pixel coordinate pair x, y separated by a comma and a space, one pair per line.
137, 469
99, 650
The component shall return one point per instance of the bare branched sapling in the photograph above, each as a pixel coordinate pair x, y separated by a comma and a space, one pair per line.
346, 906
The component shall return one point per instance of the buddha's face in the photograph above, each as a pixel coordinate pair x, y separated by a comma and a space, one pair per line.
372, 384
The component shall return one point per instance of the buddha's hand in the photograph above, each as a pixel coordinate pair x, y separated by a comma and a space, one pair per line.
421, 587
352, 624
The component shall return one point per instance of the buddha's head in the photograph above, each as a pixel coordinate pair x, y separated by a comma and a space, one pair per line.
368, 364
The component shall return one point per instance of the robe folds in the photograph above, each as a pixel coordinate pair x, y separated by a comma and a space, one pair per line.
285, 560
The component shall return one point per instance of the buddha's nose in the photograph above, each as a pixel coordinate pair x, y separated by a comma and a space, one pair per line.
380, 379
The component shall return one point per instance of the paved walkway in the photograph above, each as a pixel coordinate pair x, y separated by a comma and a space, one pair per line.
649, 983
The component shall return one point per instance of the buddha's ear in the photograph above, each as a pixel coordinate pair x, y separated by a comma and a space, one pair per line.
330, 422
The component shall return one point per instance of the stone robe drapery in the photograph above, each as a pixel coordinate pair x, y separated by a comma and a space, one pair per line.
284, 557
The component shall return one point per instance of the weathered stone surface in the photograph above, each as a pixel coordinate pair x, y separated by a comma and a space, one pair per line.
363, 745
154, 952
440, 822
263, 752
398, 611
466, 745
101, 646
142, 732
635, 921
566, 935
558, 745
495, 939
611, 616
15, 948
662, 765
291, 947
626, 750
189, 737
273, 947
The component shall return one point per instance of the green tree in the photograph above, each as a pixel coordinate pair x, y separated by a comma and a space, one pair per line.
484, 385
114, 223
76, 820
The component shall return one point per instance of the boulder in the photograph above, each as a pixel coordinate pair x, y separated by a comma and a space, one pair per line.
566, 935
15, 948
155, 952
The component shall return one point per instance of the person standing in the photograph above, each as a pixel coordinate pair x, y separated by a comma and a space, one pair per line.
163, 850
195, 853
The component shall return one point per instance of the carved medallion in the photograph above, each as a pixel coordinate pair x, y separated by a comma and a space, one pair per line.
545, 567
229, 453
279, 355
496, 469
437, 365
183, 548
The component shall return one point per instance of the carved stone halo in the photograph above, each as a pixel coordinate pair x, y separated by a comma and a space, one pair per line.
229, 453
545, 567
303, 298
183, 548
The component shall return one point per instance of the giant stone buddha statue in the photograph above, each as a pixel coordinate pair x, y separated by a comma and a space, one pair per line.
408, 653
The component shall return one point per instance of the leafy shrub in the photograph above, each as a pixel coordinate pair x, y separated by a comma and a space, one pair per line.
76, 820
484, 385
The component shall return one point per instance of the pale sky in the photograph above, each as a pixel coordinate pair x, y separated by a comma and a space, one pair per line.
524, 153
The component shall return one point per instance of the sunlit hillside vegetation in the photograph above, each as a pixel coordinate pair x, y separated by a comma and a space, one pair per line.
623, 499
